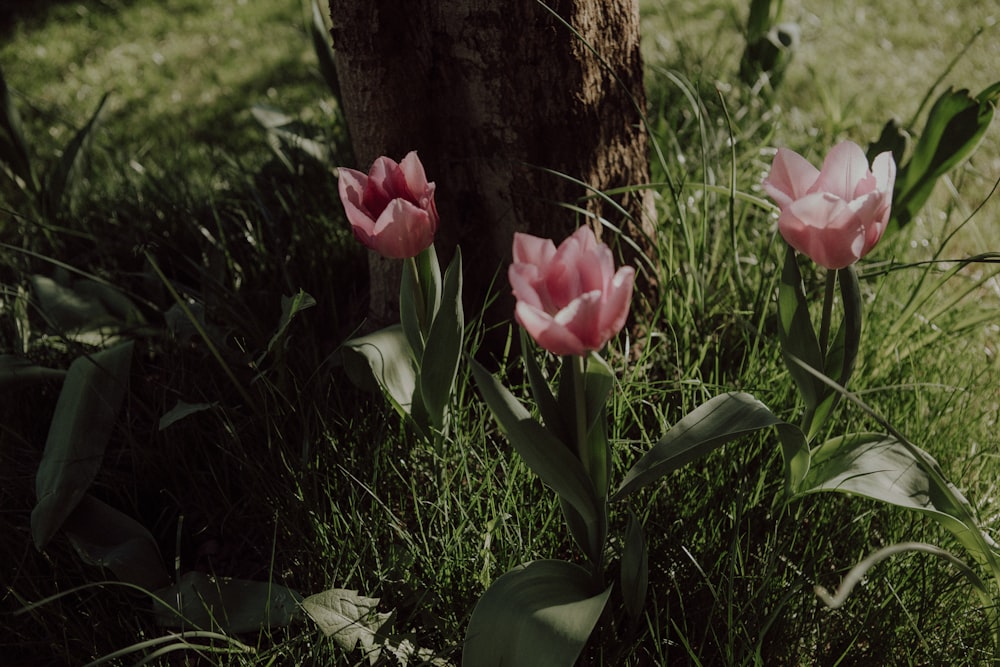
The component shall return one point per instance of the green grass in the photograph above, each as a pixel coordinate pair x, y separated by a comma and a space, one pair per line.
312, 484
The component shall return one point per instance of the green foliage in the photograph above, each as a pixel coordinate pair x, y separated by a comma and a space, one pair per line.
540, 614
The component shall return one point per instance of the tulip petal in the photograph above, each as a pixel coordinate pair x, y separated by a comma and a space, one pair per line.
543, 328
617, 299
582, 317
790, 178
884, 169
523, 279
413, 173
843, 169
825, 228
403, 230
530, 249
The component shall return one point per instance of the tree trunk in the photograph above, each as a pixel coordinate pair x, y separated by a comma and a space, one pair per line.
490, 93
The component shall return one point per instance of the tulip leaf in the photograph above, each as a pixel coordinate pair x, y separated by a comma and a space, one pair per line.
796, 333
634, 568
955, 125
539, 614
443, 349
382, 361
16, 371
106, 537
81, 426
290, 307
548, 458
883, 468
182, 410
548, 407
719, 420
233, 605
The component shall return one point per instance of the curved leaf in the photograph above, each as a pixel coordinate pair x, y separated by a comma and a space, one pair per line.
81, 427
882, 468
443, 348
382, 360
109, 538
548, 458
539, 614
719, 420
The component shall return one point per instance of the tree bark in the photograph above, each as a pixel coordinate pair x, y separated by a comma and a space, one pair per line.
490, 93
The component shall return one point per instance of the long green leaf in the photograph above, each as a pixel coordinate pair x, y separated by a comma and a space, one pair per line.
634, 568
955, 125
880, 467
548, 458
16, 372
538, 614
719, 420
443, 349
81, 426
542, 393
109, 538
796, 333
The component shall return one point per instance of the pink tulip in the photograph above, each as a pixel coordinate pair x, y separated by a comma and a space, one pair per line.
391, 210
569, 299
834, 215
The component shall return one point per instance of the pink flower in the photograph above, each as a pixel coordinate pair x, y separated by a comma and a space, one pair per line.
391, 210
834, 215
569, 299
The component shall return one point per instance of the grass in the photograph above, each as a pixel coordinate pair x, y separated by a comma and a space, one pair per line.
313, 484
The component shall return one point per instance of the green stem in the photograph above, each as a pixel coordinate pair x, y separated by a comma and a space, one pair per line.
824, 325
580, 398
410, 264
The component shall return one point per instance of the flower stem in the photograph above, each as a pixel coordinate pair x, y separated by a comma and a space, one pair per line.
824, 325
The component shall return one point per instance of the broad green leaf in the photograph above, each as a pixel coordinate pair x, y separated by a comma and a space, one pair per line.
634, 568
429, 271
598, 382
955, 125
106, 537
81, 426
182, 410
719, 420
443, 348
233, 605
352, 620
539, 614
68, 310
16, 371
290, 307
13, 147
796, 334
548, 458
542, 393
62, 180
882, 468
382, 360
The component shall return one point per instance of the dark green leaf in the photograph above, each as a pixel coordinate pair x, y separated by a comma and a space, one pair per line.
324, 52
712, 424
16, 372
796, 334
290, 307
548, 458
955, 125
635, 568
542, 393
537, 614
105, 537
81, 426
412, 309
182, 410
232, 605
881, 467
443, 348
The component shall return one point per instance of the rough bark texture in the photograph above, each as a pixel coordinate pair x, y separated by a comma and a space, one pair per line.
488, 92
